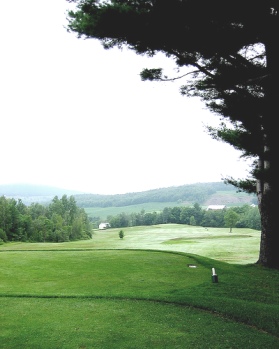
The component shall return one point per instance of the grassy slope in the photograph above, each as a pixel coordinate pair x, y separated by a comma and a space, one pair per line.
99, 294
104, 212
227, 198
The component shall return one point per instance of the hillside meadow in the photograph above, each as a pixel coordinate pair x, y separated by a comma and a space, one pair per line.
172, 197
151, 289
225, 198
104, 212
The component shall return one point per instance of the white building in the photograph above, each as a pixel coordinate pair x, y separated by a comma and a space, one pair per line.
215, 207
104, 226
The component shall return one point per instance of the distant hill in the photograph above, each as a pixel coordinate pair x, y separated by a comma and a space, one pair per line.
29, 193
201, 193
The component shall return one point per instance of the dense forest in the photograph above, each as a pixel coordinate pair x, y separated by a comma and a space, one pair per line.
61, 220
186, 194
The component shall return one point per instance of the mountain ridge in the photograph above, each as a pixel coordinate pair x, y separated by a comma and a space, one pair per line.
34, 192
188, 193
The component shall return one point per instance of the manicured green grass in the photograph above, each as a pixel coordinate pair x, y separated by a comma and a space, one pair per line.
114, 293
241, 246
125, 324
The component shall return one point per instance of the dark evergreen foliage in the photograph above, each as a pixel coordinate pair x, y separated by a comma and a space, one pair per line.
232, 49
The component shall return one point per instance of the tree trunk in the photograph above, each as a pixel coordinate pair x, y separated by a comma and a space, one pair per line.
267, 189
269, 246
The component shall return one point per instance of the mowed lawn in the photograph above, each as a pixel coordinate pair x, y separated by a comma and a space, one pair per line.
93, 294
240, 247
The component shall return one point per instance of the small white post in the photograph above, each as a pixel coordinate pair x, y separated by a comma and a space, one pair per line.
214, 275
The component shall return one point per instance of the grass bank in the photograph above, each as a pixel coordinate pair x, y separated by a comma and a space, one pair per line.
99, 295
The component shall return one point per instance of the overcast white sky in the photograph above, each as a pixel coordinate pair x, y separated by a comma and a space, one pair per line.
76, 116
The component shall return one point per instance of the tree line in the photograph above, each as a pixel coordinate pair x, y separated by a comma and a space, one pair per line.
62, 220
245, 216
